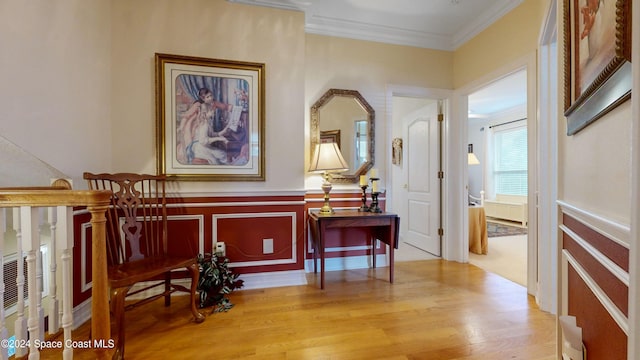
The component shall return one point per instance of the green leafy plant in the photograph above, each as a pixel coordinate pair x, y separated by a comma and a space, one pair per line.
216, 282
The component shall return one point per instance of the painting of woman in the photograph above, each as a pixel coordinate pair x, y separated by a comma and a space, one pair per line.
596, 18
211, 121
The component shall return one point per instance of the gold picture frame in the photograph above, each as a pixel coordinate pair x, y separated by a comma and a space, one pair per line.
329, 136
210, 119
597, 68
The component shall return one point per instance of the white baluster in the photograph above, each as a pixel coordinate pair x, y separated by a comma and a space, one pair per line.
42, 219
31, 235
4, 350
54, 323
64, 235
20, 326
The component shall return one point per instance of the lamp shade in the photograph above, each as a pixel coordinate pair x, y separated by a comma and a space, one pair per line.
472, 159
327, 157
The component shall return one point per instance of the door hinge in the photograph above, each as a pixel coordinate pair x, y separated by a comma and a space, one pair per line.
440, 232
441, 117
440, 174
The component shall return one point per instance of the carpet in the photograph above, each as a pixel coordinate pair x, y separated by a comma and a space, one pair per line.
498, 229
507, 257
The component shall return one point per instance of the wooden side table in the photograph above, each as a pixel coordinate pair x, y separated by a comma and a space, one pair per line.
382, 226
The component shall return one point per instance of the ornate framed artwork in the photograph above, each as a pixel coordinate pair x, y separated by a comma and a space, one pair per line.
597, 68
209, 119
396, 155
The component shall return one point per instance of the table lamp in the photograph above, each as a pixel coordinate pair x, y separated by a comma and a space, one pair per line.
472, 159
327, 158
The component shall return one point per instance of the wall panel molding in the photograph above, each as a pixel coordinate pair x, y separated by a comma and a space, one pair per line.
85, 284
200, 219
612, 309
594, 279
612, 267
292, 257
235, 204
172, 193
250, 217
615, 231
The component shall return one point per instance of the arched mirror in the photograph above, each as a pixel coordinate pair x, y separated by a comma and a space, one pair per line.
345, 117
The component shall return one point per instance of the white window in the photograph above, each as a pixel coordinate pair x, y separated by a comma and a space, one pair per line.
361, 140
510, 161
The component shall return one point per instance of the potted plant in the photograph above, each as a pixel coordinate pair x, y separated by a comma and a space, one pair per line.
216, 281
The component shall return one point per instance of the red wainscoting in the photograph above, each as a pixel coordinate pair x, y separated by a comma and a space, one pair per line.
596, 295
240, 221
344, 242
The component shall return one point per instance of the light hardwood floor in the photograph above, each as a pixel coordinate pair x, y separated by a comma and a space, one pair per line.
434, 310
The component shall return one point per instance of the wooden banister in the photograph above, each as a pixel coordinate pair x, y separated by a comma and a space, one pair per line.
97, 202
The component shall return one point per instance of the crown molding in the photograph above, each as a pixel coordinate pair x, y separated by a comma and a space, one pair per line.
330, 26
271, 4
379, 33
483, 21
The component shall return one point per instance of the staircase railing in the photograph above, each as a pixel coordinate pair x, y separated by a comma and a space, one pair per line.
24, 213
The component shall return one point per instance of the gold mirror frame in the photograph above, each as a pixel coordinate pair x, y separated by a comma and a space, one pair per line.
315, 131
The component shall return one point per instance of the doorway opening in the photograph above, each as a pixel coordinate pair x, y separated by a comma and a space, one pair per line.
415, 129
497, 136
415, 185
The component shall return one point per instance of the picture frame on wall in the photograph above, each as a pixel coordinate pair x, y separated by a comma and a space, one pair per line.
209, 118
597, 68
329, 136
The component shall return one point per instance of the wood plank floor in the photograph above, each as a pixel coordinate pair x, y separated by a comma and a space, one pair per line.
435, 310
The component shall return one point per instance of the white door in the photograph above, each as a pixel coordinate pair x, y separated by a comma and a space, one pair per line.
420, 208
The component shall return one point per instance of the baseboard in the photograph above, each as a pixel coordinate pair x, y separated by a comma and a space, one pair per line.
81, 314
505, 222
273, 279
347, 263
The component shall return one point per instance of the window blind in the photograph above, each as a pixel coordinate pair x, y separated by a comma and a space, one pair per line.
510, 161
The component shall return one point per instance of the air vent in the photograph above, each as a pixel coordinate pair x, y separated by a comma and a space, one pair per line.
10, 287
10, 268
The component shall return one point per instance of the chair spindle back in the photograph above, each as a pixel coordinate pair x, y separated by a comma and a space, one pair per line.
137, 217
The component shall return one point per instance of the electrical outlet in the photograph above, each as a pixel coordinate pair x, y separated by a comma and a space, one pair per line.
267, 246
221, 249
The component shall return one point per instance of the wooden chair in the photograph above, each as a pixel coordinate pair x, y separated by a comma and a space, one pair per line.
137, 244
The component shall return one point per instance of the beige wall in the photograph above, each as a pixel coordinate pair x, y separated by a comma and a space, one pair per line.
56, 80
369, 67
595, 166
97, 107
79, 85
595, 163
82, 79
212, 29
601, 183
510, 38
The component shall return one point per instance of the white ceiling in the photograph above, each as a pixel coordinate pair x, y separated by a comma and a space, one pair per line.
434, 24
506, 93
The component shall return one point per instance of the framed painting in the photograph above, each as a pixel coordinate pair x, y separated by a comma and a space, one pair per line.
597, 68
329, 136
209, 119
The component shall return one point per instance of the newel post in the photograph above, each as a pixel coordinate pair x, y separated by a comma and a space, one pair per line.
100, 323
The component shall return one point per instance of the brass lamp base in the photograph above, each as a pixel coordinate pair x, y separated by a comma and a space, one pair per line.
326, 208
